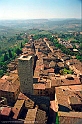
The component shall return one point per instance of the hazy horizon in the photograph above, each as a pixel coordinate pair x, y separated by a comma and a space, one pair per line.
41, 19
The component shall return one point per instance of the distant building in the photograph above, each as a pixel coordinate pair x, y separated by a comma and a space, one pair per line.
25, 72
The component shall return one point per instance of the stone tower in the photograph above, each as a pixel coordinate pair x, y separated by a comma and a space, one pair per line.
25, 72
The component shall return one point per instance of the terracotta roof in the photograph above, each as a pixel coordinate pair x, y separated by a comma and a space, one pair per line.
31, 115
71, 81
17, 108
45, 39
8, 86
44, 72
5, 111
28, 102
75, 101
12, 77
41, 116
11, 65
48, 84
76, 63
65, 81
51, 70
21, 96
75, 87
4, 77
3, 81
67, 92
39, 86
53, 105
36, 73
39, 67
70, 114
52, 64
60, 64
56, 82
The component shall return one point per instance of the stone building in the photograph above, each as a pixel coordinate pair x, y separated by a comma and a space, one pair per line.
9, 90
25, 72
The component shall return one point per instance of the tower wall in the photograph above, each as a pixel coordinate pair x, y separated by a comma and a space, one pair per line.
25, 72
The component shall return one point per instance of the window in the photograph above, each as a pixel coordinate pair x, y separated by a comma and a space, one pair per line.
41, 92
28, 100
46, 92
38, 92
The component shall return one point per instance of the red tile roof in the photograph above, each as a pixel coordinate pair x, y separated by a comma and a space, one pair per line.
17, 108
64, 81
63, 93
70, 114
39, 86
5, 111
8, 86
22, 96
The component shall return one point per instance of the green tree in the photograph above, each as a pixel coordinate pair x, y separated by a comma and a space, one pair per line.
57, 118
80, 46
21, 45
5, 57
79, 57
10, 54
1, 73
66, 71
19, 37
25, 41
18, 51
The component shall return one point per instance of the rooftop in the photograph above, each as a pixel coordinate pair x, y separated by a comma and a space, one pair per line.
64, 93
17, 108
70, 114
53, 105
28, 102
39, 86
22, 96
5, 111
31, 115
41, 116
76, 63
23, 57
4, 77
60, 81
8, 86
73, 100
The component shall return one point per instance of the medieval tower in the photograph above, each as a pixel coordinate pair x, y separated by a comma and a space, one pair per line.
25, 72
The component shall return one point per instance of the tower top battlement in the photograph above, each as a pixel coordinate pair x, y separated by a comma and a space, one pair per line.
23, 57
